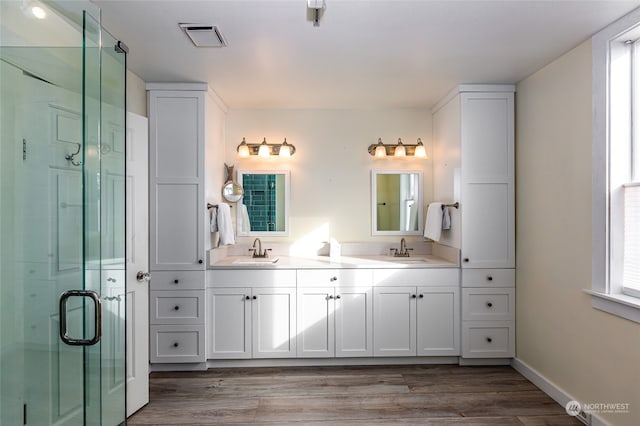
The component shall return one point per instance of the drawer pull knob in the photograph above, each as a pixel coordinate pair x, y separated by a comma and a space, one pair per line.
413, 296
489, 339
466, 259
330, 297
255, 297
247, 298
175, 345
176, 308
421, 296
176, 281
338, 296
200, 261
489, 278
489, 305
333, 279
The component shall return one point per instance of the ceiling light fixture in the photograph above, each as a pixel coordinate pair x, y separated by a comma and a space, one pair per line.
204, 35
399, 150
265, 150
33, 9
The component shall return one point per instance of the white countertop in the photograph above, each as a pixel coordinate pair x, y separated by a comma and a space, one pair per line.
343, 262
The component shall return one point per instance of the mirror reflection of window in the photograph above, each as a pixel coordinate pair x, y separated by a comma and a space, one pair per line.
398, 201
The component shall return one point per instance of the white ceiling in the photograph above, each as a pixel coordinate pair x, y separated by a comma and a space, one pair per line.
364, 54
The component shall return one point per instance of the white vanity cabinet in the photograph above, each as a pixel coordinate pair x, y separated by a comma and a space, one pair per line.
488, 313
487, 180
416, 312
177, 317
251, 314
176, 177
176, 221
335, 317
473, 133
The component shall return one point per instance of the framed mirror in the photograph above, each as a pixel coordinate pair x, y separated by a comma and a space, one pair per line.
264, 207
396, 202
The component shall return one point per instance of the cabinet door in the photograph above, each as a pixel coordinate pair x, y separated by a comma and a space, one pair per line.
487, 207
354, 321
394, 321
176, 171
229, 323
274, 322
315, 322
438, 325
488, 226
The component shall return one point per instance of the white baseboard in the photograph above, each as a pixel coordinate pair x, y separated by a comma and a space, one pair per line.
324, 362
555, 392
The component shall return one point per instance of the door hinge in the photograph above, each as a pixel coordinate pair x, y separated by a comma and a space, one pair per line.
24, 414
24, 149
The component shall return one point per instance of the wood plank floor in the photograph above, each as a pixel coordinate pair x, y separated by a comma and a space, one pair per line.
407, 395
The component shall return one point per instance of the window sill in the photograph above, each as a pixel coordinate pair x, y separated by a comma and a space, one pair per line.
624, 306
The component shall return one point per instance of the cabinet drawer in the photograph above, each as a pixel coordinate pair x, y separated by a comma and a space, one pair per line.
488, 339
334, 277
175, 343
251, 278
418, 277
488, 277
177, 280
484, 304
177, 307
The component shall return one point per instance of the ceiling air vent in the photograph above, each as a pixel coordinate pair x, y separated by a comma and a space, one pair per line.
204, 35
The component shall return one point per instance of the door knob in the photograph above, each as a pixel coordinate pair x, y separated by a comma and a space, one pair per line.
142, 276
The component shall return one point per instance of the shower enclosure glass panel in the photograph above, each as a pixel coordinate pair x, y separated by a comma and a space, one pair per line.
61, 217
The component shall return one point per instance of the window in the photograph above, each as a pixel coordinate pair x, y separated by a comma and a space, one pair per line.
616, 168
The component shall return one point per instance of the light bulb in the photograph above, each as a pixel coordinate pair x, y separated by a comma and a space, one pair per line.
400, 150
420, 151
264, 150
285, 150
243, 149
381, 150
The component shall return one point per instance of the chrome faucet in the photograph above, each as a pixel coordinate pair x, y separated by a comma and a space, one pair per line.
404, 250
259, 252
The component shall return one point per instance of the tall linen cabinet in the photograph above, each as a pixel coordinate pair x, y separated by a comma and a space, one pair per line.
473, 145
176, 222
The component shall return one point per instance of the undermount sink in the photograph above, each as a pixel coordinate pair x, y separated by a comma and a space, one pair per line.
407, 259
256, 260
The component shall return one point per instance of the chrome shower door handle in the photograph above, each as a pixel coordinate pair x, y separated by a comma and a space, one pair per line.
64, 298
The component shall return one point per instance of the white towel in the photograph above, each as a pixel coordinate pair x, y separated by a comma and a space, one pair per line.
244, 217
225, 226
213, 221
446, 218
433, 224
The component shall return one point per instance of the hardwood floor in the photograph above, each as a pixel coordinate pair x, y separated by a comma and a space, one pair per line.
408, 395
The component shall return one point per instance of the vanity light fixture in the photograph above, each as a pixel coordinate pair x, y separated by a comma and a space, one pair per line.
399, 150
265, 150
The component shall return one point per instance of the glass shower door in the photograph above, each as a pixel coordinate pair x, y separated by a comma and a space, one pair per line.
104, 99
61, 212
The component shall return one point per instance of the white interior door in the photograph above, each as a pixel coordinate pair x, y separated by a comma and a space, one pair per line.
137, 262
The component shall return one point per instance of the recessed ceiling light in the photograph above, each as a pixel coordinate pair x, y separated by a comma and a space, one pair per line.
204, 35
38, 12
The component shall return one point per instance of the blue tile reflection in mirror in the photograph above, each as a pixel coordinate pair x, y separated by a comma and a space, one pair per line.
264, 208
